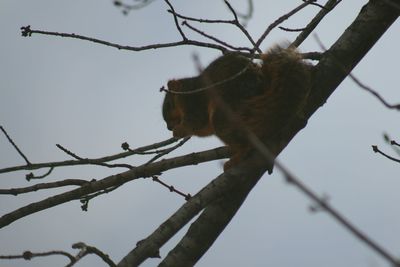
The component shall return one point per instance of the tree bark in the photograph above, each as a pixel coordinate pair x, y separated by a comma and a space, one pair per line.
336, 63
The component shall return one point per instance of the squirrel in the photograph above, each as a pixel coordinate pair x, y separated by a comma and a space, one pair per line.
263, 97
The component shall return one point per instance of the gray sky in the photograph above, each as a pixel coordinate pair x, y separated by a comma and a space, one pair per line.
91, 98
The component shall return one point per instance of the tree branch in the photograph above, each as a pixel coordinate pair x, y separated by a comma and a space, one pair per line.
115, 180
26, 31
374, 19
95, 161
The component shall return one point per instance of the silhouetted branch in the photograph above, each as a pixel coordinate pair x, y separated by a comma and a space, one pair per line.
41, 186
327, 77
176, 21
373, 92
359, 83
86, 250
28, 255
126, 8
14, 145
215, 39
89, 161
234, 22
95, 161
376, 150
329, 6
171, 188
116, 180
291, 30
279, 21
27, 32
31, 176
245, 16
166, 151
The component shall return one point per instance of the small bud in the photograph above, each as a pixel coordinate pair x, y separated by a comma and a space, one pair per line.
125, 146
29, 176
27, 255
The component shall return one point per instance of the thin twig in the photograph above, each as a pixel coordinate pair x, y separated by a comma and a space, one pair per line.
126, 8
168, 150
359, 83
28, 255
313, 3
176, 21
215, 39
93, 250
237, 23
143, 171
86, 199
131, 152
373, 92
31, 176
37, 187
279, 21
15, 145
376, 150
89, 162
329, 6
27, 31
292, 30
171, 188
393, 142
234, 22
247, 16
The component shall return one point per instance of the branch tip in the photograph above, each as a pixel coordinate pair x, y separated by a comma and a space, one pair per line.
26, 31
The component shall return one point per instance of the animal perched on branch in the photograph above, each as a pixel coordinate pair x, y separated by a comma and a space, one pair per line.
233, 92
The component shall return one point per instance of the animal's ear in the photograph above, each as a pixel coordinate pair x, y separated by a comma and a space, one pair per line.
174, 85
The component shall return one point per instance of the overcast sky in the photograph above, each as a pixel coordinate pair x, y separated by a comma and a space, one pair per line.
90, 98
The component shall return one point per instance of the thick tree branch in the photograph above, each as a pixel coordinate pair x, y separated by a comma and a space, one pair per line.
115, 180
372, 22
223, 185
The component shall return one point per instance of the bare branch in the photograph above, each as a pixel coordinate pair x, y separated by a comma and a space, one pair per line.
280, 20
27, 31
373, 92
31, 176
185, 23
85, 249
37, 187
329, 6
176, 20
68, 152
164, 152
94, 161
234, 22
28, 255
171, 188
220, 186
291, 30
15, 145
385, 17
393, 142
115, 180
245, 16
376, 150
126, 8
359, 83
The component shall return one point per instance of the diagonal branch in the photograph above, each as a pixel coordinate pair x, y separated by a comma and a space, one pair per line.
95, 161
374, 19
115, 180
15, 145
329, 6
